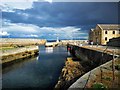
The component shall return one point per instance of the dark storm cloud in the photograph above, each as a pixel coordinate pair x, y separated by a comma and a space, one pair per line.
68, 20
66, 14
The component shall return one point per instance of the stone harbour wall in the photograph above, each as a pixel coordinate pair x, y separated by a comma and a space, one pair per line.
71, 71
19, 53
20, 42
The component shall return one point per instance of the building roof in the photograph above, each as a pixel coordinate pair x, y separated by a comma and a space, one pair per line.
109, 26
92, 29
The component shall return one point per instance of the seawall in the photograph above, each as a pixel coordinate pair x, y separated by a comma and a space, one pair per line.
93, 59
17, 54
69, 74
101, 74
90, 58
8, 42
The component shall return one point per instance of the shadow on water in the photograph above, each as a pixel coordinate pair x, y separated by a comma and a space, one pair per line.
36, 72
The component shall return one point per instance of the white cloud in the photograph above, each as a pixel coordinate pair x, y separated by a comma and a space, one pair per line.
50, 1
68, 29
29, 35
62, 32
4, 33
32, 35
19, 28
30, 30
23, 14
11, 5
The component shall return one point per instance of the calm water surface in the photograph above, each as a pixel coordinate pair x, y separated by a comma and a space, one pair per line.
38, 72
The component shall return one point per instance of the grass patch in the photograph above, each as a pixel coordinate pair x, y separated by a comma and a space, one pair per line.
117, 67
6, 48
99, 86
107, 78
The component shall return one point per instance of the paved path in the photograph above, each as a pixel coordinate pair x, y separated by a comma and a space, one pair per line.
100, 48
104, 49
91, 75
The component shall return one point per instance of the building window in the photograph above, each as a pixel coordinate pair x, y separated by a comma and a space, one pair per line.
98, 33
95, 33
105, 38
113, 32
105, 32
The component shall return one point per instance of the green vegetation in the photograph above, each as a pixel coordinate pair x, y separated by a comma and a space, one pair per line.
99, 86
6, 48
117, 66
18, 46
107, 78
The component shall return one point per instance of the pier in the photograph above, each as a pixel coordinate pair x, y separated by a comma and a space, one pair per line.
90, 57
59, 44
15, 49
99, 59
9, 56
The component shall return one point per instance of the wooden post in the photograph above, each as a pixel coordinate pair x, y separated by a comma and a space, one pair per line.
113, 68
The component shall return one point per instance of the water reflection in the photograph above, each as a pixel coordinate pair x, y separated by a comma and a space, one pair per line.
38, 72
17, 65
49, 49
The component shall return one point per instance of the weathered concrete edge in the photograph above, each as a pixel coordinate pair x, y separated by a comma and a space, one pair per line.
80, 83
19, 55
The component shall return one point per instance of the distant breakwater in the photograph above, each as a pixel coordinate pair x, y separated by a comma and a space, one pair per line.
7, 42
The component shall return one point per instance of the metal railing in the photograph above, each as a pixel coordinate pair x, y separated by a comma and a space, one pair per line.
113, 68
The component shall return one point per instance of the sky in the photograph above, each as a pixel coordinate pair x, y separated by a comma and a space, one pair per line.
48, 20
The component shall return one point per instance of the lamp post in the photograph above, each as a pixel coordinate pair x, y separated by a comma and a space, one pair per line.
92, 43
97, 41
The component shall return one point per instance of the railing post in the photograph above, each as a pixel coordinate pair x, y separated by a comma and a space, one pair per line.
113, 68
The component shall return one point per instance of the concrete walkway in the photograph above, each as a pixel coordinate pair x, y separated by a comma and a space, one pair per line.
106, 49
17, 50
100, 48
90, 76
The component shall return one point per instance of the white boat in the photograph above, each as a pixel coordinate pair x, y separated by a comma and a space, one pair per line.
49, 44
52, 44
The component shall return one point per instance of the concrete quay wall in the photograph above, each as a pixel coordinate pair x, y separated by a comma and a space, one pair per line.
91, 76
94, 59
20, 53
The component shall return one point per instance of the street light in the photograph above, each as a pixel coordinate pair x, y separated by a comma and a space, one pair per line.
97, 41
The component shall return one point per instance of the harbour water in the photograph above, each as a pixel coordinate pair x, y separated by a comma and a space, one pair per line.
42, 71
